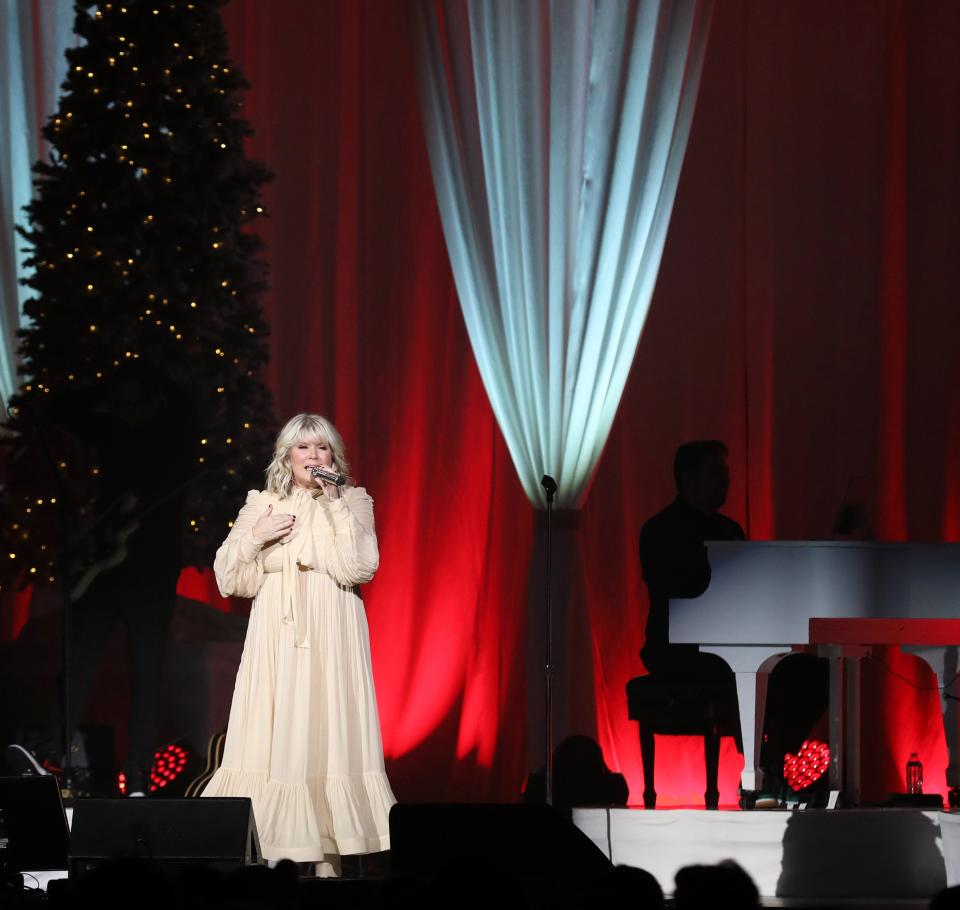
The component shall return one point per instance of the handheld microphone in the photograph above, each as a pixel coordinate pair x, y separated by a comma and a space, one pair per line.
328, 476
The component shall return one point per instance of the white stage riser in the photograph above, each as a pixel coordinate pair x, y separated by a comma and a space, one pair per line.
814, 854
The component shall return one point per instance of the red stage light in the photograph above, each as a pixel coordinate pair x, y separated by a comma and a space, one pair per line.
808, 766
168, 763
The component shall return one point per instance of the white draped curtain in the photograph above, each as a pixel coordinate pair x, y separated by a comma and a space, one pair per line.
556, 133
33, 39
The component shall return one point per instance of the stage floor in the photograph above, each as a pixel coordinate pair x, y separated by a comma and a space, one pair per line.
885, 859
796, 858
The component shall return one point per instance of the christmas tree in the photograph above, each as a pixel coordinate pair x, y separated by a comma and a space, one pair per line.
146, 285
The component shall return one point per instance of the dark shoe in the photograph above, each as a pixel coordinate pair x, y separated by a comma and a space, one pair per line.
766, 800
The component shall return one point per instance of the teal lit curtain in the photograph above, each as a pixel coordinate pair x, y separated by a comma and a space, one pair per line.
556, 133
34, 34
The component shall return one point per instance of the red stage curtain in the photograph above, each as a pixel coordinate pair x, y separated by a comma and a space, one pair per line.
366, 328
805, 312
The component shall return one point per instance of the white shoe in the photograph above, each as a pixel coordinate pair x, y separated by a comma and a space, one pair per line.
135, 785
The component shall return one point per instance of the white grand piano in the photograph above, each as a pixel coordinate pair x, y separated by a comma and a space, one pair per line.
764, 598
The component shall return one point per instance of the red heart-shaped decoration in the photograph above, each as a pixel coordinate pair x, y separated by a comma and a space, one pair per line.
167, 765
807, 766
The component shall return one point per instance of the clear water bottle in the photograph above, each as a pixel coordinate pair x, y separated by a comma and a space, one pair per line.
914, 774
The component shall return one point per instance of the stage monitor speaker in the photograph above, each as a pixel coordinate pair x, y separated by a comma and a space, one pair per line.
33, 825
174, 833
516, 839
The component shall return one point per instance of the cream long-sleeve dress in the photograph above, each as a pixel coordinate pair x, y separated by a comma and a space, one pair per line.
303, 740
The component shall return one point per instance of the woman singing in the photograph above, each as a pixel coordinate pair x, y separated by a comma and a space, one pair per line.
303, 740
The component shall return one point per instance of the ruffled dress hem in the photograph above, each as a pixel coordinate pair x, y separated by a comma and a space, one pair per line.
364, 798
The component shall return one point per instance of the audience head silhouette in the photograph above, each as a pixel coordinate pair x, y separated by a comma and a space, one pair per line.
580, 777
701, 474
724, 885
626, 886
948, 899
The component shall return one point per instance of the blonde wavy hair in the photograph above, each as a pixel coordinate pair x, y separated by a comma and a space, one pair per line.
309, 428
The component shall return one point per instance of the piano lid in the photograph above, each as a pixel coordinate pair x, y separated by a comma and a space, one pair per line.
766, 592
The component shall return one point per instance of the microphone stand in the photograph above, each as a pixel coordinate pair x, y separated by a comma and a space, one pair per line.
550, 488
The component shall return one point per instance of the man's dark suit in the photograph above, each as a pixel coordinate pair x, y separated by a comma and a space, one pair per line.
674, 561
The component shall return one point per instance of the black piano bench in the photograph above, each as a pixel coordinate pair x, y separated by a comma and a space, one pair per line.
674, 708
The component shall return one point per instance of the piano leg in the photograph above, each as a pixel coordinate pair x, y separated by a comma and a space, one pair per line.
852, 744
834, 654
951, 722
748, 695
944, 662
752, 665
648, 755
844, 774
711, 758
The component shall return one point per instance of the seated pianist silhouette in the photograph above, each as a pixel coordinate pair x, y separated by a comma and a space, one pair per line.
687, 691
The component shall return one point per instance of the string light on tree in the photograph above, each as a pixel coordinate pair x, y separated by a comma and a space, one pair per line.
162, 172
